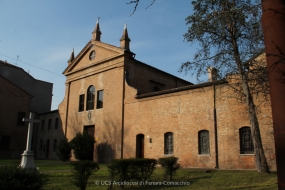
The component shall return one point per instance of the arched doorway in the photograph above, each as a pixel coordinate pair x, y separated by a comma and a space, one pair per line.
140, 146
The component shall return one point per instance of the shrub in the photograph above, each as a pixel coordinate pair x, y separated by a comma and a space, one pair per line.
83, 146
131, 169
14, 177
170, 165
63, 150
82, 170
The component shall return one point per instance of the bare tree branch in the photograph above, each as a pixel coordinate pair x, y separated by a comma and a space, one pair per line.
150, 4
136, 5
136, 2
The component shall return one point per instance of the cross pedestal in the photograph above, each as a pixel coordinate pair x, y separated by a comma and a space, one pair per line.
27, 161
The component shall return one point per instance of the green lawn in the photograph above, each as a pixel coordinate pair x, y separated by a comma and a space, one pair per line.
60, 178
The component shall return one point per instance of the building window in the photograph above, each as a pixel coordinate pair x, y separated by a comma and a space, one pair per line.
43, 124
41, 145
246, 144
56, 123
155, 89
49, 124
5, 142
54, 145
92, 55
99, 99
168, 143
81, 102
90, 98
204, 145
21, 115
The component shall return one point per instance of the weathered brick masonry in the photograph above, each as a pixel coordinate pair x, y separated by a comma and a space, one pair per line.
143, 105
13, 99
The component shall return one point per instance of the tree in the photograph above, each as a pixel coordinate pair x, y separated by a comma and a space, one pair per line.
63, 150
170, 166
229, 33
81, 172
83, 146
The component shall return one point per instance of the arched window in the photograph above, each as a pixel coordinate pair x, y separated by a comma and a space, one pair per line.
168, 143
246, 145
90, 98
56, 123
41, 145
49, 124
54, 144
204, 145
155, 89
43, 124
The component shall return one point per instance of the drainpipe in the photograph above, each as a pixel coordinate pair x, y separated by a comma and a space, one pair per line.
215, 129
123, 114
66, 112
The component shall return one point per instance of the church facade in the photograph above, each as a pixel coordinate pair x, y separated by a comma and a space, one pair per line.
135, 110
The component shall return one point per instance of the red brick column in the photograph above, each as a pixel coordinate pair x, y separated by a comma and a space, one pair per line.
273, 23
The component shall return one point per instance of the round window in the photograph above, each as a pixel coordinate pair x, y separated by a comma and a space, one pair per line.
92, 55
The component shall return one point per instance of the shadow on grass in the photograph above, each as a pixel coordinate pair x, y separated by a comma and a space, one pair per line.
253, 187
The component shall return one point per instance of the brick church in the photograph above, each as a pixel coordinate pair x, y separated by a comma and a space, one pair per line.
135, 110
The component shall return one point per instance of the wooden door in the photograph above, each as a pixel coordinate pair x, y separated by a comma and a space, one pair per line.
140, 146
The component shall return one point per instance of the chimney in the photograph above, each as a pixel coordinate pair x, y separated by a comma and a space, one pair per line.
212, 74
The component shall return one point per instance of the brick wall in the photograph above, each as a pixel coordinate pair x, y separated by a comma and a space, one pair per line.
103, 75
185, 113
40, 90
13, 100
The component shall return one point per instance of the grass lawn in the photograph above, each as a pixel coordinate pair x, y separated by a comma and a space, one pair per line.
60, 178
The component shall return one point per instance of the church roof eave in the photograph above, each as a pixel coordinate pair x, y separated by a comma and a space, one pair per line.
179, 89
142, 63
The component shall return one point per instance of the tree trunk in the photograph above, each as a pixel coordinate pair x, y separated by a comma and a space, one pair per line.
261, 163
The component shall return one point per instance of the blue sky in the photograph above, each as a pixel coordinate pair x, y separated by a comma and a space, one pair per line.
43, 33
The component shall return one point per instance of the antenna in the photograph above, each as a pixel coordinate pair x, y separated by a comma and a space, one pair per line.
17, 59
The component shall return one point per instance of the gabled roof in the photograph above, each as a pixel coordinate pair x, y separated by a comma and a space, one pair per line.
3, 63
16, 67
154, 68
86, 48
30, 96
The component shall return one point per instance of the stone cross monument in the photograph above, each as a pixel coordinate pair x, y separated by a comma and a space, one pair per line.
27, 161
